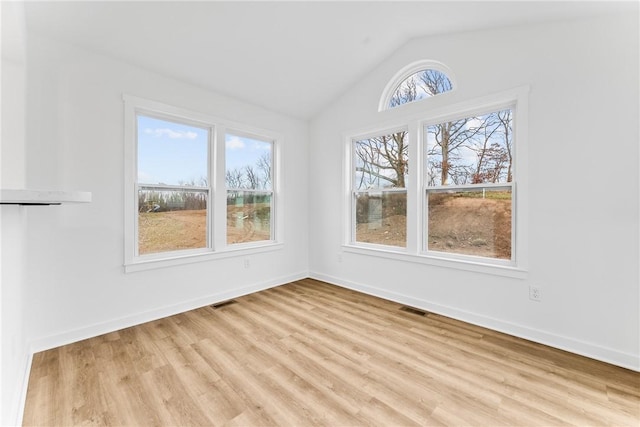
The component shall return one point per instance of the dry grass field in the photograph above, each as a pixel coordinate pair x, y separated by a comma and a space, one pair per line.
172, 230
187, 229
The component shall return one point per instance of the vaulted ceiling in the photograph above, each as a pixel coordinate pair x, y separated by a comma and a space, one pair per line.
290, 57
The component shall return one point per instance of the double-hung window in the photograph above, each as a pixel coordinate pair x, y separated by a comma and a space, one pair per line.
172, 187
469, 186
249, 183
197, 187
379, 209
439, 187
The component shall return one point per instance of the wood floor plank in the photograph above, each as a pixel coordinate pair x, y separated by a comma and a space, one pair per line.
313, 354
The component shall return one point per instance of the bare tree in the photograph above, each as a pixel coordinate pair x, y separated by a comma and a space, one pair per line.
498, 160
506, 123
434, 82
383, 161
421, 85
448, 139
234, 178
493, 149
485, 150
406, 92
264, 166
252, 178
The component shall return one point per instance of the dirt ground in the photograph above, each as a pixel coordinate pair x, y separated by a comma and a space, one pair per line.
471, 226
175, 230
391, 230
463, 225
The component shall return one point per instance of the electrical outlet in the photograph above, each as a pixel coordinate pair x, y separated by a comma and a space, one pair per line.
247, 263
535, 293
339, 258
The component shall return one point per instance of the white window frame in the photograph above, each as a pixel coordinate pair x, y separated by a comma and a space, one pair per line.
415, 121
271, 192
453, 187
217, 247
373, 191
409, 70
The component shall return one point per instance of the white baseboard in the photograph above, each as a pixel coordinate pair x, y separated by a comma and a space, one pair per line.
79, 334
593, 351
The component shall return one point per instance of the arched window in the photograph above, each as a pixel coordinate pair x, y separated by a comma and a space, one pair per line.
420, 80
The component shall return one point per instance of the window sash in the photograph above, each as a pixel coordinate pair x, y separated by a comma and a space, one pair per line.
511, 186
179, 252
180, 120
354, 157
272, 204
374, 193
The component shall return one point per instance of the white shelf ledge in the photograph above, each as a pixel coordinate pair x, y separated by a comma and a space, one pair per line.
42, 197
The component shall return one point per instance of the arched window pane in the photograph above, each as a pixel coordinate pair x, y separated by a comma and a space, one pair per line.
420, 85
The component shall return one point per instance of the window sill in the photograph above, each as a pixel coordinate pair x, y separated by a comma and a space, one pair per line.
465, 265
176, 260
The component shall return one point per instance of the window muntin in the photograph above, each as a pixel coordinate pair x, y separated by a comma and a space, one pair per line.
172, 185
249, 185
379, 200
469, 186
423, 84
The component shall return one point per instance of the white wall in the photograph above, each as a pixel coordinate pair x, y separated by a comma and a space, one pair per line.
14, 354
12, 168
583, 186
75, 253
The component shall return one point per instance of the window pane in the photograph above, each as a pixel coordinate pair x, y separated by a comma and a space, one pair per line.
420, 85
473, 150
248, 163
248, 216
170, 220
171, 153
471, 222
381, 161
381, 218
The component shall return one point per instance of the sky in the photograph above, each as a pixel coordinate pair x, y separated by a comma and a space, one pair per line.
242, 151
172, 153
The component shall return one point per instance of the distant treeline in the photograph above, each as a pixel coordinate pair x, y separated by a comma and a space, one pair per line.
176, 200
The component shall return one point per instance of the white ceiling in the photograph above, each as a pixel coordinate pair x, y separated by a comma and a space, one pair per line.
290, 57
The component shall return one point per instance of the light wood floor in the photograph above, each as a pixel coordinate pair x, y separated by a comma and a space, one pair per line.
308, 353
